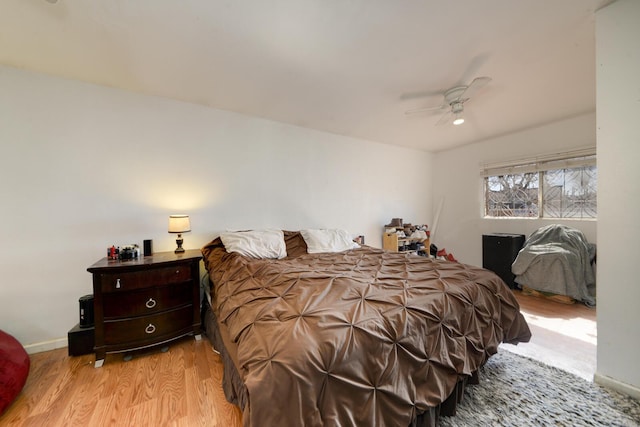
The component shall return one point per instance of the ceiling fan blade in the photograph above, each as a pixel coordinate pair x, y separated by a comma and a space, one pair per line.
424, 110
477, 84
445, 119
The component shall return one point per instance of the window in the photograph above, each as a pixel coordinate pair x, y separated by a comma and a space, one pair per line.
512, 195
558, 186
570, 193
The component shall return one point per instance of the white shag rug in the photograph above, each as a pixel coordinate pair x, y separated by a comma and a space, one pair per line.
518, 391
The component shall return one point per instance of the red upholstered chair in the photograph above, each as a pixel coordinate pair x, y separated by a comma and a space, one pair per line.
14, 368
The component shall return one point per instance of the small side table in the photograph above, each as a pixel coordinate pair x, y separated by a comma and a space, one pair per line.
145, 301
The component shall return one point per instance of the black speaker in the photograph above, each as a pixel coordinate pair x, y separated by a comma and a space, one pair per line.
86, 311
147, 247
499, 250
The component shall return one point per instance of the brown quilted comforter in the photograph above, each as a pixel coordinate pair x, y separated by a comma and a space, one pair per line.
363, 337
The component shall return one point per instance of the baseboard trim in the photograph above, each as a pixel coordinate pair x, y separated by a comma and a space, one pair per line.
616, 385
39, 347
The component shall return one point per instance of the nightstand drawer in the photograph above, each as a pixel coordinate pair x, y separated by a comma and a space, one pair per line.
141, 331
126, 281
147, 301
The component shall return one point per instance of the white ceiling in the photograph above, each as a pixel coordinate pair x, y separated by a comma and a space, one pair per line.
350, 67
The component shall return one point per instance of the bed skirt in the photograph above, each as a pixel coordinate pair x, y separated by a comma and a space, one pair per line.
236, 392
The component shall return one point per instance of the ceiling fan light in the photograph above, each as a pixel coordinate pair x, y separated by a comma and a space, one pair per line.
456, 109
458, 120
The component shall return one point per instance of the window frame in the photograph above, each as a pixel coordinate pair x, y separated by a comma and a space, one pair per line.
581, 158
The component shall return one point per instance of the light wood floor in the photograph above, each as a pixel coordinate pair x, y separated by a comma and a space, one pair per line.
563, 335
182, 387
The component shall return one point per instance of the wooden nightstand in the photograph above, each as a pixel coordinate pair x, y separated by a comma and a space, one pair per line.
146, 301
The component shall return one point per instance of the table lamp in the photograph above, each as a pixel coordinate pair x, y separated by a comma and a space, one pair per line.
179, 224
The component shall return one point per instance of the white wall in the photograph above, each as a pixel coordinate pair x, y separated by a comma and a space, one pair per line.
618, 106
458, 186
84, 167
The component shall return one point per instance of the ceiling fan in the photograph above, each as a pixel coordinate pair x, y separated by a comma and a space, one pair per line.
454, 100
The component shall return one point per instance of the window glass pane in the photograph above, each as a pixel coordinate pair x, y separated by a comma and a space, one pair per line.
512, 195
570, 193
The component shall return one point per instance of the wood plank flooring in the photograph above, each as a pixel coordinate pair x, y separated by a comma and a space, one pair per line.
564, 335
182, 387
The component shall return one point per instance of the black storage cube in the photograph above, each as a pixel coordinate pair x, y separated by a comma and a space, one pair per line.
499, 250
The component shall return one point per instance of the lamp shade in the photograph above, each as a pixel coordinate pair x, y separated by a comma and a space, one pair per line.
179, 224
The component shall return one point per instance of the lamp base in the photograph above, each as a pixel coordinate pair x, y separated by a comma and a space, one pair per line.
179, 241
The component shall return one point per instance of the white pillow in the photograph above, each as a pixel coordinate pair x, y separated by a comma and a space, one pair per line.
327, 241
256, 243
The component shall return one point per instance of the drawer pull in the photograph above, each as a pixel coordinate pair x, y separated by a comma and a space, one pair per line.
177, 271
151, 303
117, 283
150, 329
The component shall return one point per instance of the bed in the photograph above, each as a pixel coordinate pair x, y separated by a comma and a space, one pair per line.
354, 337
